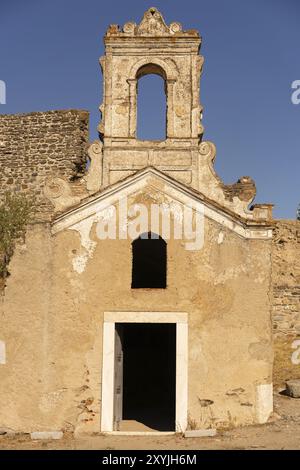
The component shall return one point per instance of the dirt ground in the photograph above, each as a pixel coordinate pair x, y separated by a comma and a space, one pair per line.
282, 432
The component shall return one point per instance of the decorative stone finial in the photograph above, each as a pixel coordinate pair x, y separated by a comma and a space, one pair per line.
152, 24
244, 189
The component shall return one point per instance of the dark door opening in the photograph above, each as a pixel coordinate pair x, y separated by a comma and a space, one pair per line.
149, 374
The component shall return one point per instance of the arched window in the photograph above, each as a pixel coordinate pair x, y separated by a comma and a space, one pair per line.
151, 103
149, 262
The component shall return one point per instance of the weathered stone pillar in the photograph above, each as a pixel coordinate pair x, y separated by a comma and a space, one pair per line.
132, 106
170, 108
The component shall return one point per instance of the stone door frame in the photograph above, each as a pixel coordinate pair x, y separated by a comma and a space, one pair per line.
110, 319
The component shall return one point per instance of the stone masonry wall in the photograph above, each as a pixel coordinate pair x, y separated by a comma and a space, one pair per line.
286, 297
39, 145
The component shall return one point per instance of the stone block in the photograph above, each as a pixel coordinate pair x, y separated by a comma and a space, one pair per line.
293, 388
200, 433
46, 435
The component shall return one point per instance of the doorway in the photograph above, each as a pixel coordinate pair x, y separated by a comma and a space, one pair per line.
145, 377
111, 369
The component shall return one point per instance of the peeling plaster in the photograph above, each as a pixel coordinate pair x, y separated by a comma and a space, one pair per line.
231, 273
220, 238
50, 401
84, 228
80, 262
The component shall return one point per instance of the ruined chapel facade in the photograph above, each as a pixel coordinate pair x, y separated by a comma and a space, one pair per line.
103, 333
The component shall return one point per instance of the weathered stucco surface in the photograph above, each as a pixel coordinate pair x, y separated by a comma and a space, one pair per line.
53, 326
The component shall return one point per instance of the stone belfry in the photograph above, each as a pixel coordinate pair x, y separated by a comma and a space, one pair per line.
151, 47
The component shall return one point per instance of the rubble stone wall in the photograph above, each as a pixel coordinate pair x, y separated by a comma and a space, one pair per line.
39, 145
286, 298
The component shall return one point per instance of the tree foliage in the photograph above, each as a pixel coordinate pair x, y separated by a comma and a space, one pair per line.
16, 211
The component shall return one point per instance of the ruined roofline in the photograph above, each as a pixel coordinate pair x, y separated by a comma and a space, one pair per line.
192, 193
288, 221
52, 111
151, 25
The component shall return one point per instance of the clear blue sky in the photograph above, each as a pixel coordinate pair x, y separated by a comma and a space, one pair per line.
49, 60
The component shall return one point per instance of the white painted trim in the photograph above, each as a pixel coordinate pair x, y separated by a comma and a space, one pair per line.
107, 409
2, 353
181, 376
145, 317
110, 319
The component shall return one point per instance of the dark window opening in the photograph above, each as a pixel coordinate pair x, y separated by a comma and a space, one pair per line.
151, 108
149, 262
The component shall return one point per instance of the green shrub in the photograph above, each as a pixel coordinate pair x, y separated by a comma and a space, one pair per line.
16, 211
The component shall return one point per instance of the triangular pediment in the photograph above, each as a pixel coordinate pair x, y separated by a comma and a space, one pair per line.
152, 179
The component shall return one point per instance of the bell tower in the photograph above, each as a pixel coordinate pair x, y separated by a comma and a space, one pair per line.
151, 47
